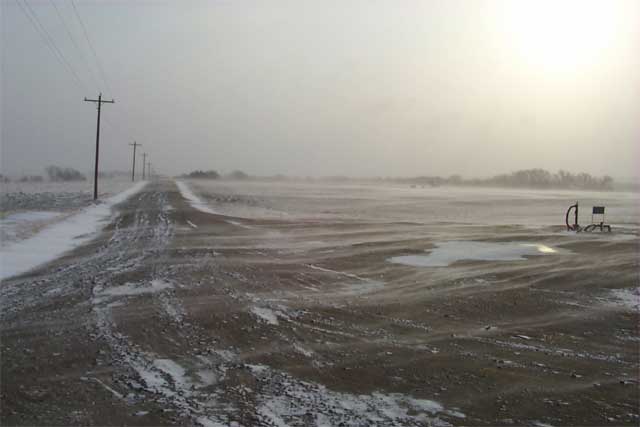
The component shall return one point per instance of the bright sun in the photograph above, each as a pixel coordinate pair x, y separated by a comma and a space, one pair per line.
562, 35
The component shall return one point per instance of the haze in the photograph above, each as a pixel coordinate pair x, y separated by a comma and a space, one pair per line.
371, 88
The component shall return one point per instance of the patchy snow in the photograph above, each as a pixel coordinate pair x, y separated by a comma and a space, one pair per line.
198, 204
205, 422
362, 286
627, 298
207, 377
175, 371
194, 200
28, 216
446, 253
62, 237
239, 224
115, 393
265, 314
286, 401
130, 288
21, 225
300, 349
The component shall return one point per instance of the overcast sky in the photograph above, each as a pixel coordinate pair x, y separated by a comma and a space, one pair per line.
326, 87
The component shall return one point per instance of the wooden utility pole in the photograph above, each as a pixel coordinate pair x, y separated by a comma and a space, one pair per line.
144, 164
149, 169
133, 169
95, 170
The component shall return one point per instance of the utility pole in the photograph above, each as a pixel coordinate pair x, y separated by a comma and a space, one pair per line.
149, 168
133, 169
144, 163
95, 170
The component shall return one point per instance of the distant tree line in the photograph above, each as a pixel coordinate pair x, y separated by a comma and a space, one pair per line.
59, 174
212, 174
527, 178
198, 174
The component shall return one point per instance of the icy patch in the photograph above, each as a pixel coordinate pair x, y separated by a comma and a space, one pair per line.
265, 314
627, 298
447, 253
62, 237
129, 289
194, 200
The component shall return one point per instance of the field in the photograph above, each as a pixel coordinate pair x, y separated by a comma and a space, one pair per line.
28, 207
253, 303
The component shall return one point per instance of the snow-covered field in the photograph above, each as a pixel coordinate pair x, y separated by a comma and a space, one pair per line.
28, 207
56, 196
324, 304
38, 237
487, 206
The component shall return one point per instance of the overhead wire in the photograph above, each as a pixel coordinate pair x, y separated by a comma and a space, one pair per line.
75, 43
49, 42
61, 58
93, 50
100, 67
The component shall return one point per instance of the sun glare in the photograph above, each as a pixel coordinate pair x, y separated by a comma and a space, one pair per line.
562, 36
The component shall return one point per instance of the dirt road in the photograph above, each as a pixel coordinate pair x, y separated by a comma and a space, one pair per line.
175, 316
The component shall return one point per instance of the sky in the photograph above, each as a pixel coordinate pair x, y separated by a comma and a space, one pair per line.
313, 88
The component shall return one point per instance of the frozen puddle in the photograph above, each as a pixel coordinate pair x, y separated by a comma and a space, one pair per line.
446, 253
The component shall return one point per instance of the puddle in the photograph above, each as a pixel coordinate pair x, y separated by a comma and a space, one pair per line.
447, 253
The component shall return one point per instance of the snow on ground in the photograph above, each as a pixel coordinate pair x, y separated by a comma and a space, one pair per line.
447, 253
21, 225
194, 200
202, 206
265, 314
56, 196
360, 286
285, 400
627, 298
129, 289
62, 237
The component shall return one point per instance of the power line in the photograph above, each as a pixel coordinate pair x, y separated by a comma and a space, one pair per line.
48, 41
75, 43
103, 74
86, 36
